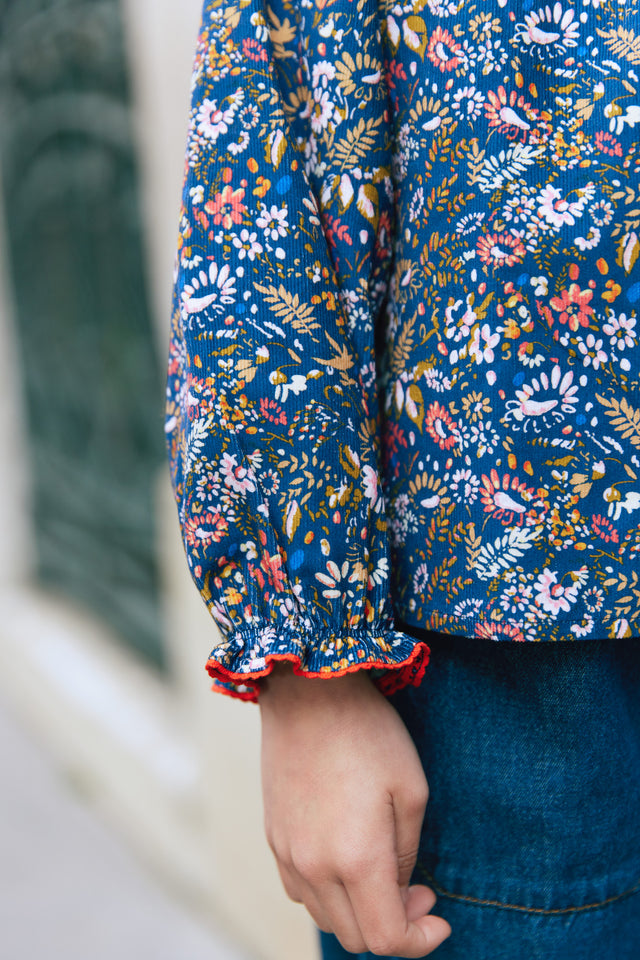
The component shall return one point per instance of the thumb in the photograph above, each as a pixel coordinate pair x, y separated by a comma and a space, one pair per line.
418, 901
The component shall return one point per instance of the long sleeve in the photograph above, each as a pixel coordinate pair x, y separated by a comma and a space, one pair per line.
281, 278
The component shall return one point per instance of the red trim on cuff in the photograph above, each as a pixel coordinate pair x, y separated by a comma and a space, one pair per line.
406, 673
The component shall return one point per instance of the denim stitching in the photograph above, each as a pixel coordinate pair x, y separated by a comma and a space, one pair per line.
537, 910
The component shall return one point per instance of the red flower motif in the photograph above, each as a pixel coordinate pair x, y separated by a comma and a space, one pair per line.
441, 426
443, 51
210, 527
226, 207
491, 631
606, 142
510, 500
510, 113
572, 307
253, 50
500, 249
272, 411
271, 565
603, 527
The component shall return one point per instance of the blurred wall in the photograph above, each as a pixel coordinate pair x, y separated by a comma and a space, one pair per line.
16, 559
176, 766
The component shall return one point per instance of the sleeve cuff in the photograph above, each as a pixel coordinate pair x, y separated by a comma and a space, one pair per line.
237, 665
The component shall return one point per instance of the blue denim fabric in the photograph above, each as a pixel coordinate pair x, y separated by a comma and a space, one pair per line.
532, 833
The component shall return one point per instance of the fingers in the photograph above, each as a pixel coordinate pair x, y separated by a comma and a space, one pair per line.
408, 815
371, 912
334, 908
384, 920
328, 904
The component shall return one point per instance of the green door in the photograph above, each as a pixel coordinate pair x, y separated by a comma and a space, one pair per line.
92, 384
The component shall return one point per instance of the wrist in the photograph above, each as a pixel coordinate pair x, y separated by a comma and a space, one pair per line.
283, 686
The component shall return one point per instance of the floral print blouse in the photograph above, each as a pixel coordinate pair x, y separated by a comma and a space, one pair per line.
404, 376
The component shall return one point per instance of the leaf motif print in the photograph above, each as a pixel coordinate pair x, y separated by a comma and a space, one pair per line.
292, 519
504, 552
403, 346
507, 165
273, 452
288, 308
624, 418
406, 327
282, 33
367, 203
357, 142
622, 43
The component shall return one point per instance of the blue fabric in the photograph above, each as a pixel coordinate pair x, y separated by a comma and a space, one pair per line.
403, 375
532, 833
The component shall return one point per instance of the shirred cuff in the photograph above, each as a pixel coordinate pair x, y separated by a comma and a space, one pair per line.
236, 665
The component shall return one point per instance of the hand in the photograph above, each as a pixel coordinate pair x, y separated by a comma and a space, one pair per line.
344, 798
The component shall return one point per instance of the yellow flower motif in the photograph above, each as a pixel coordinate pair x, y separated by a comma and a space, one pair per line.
483, 26
475, 406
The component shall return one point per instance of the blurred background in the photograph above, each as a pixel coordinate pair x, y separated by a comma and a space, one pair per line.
130, 811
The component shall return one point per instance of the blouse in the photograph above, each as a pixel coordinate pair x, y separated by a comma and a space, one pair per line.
404, 372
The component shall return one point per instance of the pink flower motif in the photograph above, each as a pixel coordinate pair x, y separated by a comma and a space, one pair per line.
236, 477
552, 596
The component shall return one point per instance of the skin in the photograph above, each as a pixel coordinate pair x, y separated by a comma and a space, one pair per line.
344, 799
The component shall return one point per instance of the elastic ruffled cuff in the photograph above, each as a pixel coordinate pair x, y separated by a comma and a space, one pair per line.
398, 660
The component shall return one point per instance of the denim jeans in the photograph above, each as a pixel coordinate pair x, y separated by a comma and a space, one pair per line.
532, 834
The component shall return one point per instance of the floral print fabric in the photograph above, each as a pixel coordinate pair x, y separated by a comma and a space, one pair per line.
404, 371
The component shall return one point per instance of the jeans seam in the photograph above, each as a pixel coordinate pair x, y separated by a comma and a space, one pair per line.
522, 909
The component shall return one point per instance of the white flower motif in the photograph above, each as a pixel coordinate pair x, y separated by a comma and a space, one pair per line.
237, 478
591, 240
247, 245
337, 579
467, 102
370, 477
484, 437
469, 223
592, 351
484, 351
320, 108
621, 330
544, 401
602, 213
236, 147
465, 486
215, 289
584, 627
618, 120
437, 380
555, 597
322, 72
212, 121
548, 31
557, 210
459, 327
541, 286
420, 578
284, 387
274, 221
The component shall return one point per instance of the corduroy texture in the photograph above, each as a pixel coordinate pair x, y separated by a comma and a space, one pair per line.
404, 361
